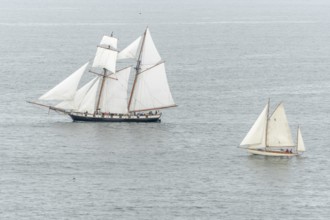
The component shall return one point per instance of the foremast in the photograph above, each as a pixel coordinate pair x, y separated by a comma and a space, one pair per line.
97, 107
106, 58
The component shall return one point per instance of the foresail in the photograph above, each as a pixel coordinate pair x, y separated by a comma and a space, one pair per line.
279, 132
131, 51
88, 103
114, 96
151, 90
67, 88
300, 144
255, 138
78, 98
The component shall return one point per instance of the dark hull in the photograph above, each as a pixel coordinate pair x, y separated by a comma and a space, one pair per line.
100, 119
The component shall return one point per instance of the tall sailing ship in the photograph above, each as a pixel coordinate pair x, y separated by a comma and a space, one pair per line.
270, 135
106, 98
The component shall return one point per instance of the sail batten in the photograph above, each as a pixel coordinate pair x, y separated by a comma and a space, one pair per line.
66, 89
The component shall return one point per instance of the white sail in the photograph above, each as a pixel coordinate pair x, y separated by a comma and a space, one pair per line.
300, 142
67, 88
88, 103
279, 132
105, 58
131, 51
114, 95
79, 96
255, 138
109, 41
150, 55
151, 90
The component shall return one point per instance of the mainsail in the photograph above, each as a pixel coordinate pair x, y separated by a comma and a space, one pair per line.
67, 88
278, 130
255, 138
150, 89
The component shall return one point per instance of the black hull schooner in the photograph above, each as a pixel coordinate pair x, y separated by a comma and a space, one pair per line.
106, 97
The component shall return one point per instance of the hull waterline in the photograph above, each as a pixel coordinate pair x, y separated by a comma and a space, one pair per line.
272, 153
77, 118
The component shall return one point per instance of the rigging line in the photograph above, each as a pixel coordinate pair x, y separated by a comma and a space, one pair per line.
155, 65
278, 105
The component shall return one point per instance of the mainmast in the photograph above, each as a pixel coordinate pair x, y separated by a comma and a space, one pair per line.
267, 119
297, 139
137, 68
106, 57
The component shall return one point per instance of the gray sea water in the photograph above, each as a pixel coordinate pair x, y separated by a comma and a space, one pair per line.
224, 59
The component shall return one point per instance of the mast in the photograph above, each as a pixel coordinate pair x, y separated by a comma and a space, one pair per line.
137, 68
297, 139
101, 89
266, 136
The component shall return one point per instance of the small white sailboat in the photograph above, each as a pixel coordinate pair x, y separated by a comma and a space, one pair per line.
270, 135
105, 97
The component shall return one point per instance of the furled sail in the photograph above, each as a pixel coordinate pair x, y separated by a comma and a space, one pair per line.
79, 96
67, 88
279, 132
300, 144
88, 103
131, 51
106, 54
151, 90
255, 138
114, 95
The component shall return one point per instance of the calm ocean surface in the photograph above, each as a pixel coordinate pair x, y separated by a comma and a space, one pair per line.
224, 59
